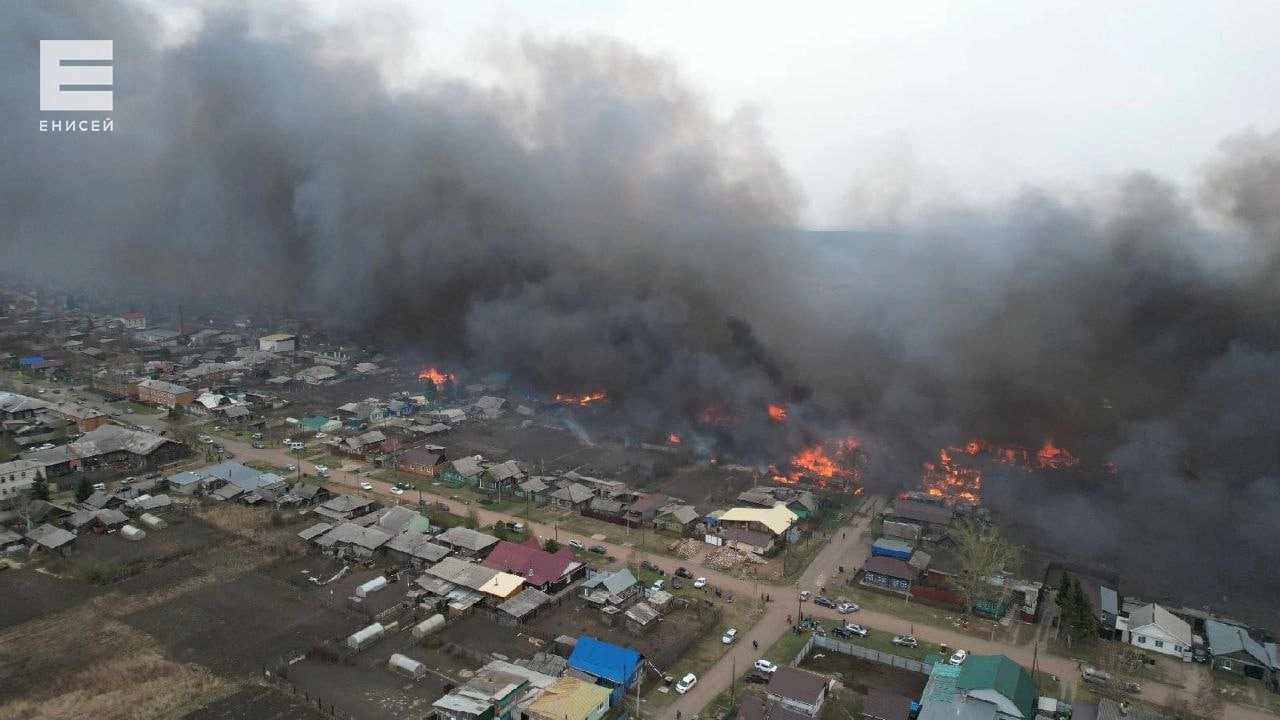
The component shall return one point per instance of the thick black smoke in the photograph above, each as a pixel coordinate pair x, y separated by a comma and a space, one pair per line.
588, 224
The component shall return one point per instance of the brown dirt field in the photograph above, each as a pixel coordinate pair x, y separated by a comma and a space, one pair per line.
28, 594
257, 702
662, 644
861, 675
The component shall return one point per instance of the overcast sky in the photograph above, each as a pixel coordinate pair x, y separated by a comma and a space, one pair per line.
874, 105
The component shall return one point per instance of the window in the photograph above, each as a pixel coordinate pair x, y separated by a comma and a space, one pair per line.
1142, 639
1159, 643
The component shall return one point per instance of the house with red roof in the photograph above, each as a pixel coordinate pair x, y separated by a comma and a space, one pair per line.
545, 571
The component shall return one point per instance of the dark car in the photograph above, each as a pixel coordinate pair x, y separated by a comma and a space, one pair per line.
646, 565
676, 583
258, 446
824, 601
598, 549
756, 677
684, 573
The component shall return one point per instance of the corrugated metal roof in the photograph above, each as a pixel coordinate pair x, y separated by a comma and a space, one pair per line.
569, 699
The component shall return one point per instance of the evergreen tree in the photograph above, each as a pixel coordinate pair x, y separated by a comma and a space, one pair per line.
83, 489
1066, 604
1084, 625
40, 489
550, 545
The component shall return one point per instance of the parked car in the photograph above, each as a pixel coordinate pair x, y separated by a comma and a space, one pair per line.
443, 506
127, 411
575, 544
700, 583
230, 455
765, 666
756, 678
258, 446
906, 641
598, 549
397, 491
804, 595
729, 636
646, 565
366, 486
321, 436
824, 601
1093, 675
676, 583
958, 657
684, 573
847, 607
657, 584
257, 436
516, 526
100, 486
686, 682
291, 467
205, 439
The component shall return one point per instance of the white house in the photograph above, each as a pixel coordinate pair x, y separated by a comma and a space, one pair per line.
17, 476
134, 321
1154, 628
280, 342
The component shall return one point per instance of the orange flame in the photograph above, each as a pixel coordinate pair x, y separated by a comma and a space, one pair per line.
581, 400
777, 413
1052, 456
674, 439
833, 463
436, 377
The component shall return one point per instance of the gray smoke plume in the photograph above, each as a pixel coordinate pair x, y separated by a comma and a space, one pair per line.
590, 225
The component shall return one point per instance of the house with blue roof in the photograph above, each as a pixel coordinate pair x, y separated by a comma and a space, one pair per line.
605, 664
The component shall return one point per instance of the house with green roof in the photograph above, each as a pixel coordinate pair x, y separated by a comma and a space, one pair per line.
990, 687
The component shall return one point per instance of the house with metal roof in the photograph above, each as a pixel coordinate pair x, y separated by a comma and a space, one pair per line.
467, 542
524, 604
54, 539
798, 690
920, 513
489, 693
539, 568
460, 572
570, 699
415, 549
611, 588
1234, 650
612, 666
999, 681
776, 520
1151, 627
351, 539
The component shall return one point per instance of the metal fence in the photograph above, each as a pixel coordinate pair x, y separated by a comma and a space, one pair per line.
858, 651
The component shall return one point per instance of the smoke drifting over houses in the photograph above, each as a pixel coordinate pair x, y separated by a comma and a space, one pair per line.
590, 225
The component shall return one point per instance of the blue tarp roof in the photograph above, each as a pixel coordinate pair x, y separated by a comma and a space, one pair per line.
31, 360
603, 660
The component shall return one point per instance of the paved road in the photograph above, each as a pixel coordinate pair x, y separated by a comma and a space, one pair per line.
843, 550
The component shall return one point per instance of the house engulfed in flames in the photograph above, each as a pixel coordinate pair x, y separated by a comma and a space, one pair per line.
827, 466
955, 477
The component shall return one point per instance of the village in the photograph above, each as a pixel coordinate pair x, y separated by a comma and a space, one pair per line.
254, 521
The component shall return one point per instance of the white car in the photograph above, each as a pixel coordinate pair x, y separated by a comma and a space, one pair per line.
575, 544
657, 584
291, 468
686, 682
322, 468
958, 657
765, 666
397, 491
729, 636
366, 486
321, 436
847, 607
205, 439
855, 629
700, 582
804, 595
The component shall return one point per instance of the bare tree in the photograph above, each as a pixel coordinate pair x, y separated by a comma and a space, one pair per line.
983, 554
